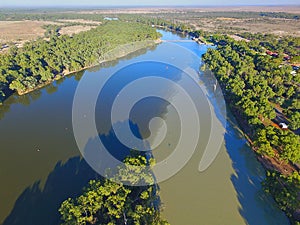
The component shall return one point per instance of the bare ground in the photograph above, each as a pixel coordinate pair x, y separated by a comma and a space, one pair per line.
74, 29
18, 32
288, 9
21, 30
275, 26
187, 15
82, 21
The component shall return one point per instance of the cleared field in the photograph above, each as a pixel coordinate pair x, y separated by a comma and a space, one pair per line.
22, 31
159, 10
276, 26
234, 19
74, 29
82, 21
221, 19
19, 32
12, 31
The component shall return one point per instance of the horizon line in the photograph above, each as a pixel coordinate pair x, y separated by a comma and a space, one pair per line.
76, 6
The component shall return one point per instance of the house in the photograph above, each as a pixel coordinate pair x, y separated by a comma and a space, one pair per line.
293, 72
286, 57
274, 54
283, 126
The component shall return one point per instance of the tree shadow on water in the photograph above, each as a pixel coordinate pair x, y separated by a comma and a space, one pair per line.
38, 205
256, 207
111, 153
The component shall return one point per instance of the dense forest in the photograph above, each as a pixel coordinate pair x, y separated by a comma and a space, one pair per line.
41, 61
113, 203
260, 89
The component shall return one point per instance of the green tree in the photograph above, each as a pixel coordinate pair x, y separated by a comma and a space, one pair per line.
39, 61
262, 143
289, 144
285, 190
295, 120
109, 202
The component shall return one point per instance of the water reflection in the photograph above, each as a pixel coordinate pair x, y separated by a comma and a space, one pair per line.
247, 179
39, 205
51, 88
16, 99
208, 197
153, 107
13, 98
248, 172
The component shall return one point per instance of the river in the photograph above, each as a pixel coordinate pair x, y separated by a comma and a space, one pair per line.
40, 164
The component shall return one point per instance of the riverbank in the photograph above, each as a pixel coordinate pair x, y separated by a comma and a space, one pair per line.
41, 62
269, 163
191, 34
114, 54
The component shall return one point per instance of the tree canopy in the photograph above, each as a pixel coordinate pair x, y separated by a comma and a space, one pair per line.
261, 89
109, 202
41, 61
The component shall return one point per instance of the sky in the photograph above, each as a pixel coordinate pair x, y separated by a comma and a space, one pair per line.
30, 3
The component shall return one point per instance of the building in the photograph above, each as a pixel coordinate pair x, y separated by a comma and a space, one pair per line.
110, 18
274, 54
283, 126
286, 57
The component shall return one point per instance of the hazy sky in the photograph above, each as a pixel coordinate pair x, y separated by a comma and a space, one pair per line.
4, 3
